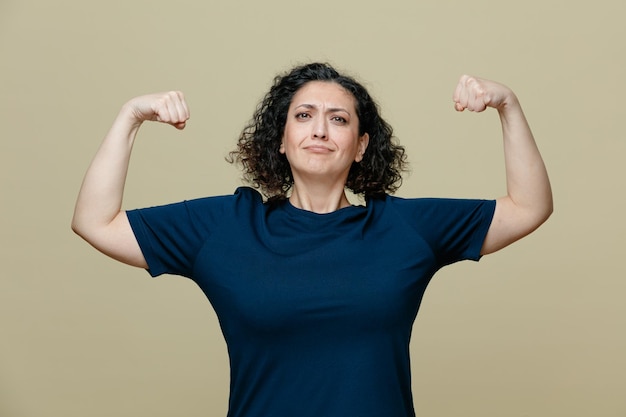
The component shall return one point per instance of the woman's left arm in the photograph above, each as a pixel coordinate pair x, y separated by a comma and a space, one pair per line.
528, 202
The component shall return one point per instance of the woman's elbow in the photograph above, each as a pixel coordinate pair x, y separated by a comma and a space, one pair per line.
548, 209
540, 215
75, 225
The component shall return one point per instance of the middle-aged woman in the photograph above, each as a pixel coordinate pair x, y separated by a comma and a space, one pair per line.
316, 297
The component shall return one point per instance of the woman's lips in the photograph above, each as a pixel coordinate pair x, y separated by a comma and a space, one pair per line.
318, 149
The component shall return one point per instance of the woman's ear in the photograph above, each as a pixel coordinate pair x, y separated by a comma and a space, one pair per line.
363, 142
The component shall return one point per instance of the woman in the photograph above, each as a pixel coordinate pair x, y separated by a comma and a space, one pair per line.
316, 297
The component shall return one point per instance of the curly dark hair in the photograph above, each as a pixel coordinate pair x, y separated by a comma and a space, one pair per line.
266, 168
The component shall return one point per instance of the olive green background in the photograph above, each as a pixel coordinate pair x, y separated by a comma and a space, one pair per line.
538, 329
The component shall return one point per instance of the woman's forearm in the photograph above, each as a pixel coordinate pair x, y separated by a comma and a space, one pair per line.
528, 185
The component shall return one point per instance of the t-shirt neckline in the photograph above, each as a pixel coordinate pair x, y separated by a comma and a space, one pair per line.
342, 212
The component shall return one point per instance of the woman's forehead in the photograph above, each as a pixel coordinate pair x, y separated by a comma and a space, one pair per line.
324, 93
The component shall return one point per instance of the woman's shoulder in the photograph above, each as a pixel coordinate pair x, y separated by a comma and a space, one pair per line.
241, 195
205, 207
431, 207
427, 200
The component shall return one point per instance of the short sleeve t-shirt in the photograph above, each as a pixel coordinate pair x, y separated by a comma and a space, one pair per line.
316, 309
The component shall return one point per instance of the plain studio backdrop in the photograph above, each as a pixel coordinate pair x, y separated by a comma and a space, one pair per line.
538, 329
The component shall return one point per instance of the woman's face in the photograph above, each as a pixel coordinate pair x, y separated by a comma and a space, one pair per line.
321, 138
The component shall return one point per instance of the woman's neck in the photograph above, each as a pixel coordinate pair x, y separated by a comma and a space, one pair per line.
318, 199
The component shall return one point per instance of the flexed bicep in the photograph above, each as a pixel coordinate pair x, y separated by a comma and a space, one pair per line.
98, 216
528, 202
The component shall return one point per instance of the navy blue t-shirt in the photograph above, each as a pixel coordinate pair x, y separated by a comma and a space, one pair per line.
316, 309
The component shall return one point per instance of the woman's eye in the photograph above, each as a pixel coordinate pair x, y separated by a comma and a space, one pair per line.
302, 115
339, 119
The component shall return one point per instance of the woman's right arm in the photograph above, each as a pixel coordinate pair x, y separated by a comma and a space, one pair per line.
98, 215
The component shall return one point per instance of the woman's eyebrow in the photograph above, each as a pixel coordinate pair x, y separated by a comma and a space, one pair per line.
329, 110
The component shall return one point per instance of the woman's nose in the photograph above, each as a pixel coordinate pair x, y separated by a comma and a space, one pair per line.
320, 129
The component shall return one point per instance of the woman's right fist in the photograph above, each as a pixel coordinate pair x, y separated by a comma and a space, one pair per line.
169, 108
